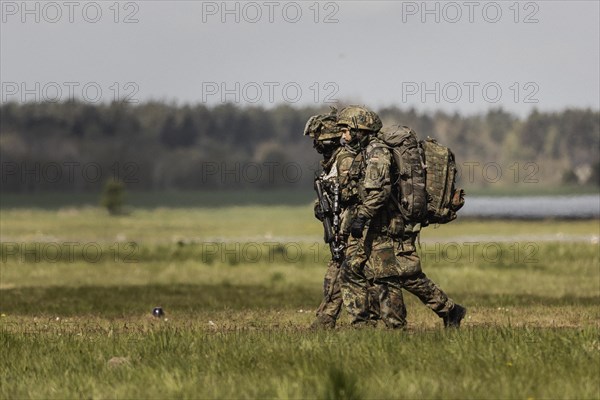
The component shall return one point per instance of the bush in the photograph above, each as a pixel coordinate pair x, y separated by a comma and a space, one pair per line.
112, 196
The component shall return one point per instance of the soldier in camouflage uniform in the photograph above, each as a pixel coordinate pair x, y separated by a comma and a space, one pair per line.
336, 164
325, 134
382, 247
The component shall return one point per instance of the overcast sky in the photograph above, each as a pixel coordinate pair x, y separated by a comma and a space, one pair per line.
456, 56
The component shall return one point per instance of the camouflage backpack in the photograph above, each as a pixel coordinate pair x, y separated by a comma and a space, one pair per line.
443, 198
410, 171
426, 174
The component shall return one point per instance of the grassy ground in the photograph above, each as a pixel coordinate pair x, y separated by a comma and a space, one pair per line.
239, 286
167, 225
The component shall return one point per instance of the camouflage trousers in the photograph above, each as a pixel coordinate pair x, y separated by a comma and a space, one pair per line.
390, 265
330, 307
365, 301
419, 285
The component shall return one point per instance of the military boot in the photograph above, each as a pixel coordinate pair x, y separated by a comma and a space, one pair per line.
454, 316
360, 324
322, 321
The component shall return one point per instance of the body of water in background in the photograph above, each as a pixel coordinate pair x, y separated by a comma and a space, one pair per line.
533, 207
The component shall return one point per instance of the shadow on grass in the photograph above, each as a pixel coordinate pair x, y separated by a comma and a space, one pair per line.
522, 300
114, 301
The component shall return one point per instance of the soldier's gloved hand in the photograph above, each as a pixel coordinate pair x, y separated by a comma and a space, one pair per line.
358, 225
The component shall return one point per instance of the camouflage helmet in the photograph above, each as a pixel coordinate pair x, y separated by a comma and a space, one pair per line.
323, 126
357, 117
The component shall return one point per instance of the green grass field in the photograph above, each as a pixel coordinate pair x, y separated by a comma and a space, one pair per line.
240, 285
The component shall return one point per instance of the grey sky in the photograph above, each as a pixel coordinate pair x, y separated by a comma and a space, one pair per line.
543, 54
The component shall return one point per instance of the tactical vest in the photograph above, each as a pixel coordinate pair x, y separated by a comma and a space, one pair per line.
349, 166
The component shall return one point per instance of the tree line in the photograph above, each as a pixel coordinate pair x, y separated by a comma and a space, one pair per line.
75, 146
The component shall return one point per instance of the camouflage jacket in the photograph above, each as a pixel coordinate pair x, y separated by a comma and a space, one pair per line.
341, 167
378, 194
375, 186
349, 166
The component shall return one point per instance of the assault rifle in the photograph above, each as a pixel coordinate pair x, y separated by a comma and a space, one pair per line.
328, 194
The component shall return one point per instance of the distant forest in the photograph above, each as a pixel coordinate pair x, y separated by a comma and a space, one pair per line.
154, 146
